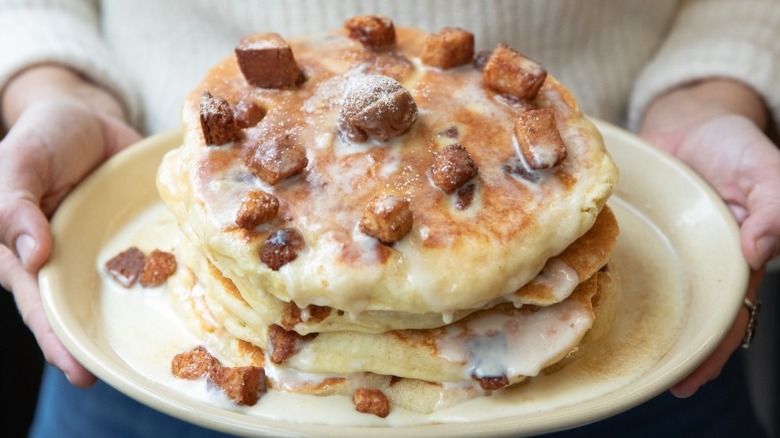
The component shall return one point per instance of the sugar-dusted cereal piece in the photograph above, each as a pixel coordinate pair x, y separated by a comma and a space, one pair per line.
277, 158
193, 364
387, 218
452, 167
450, 47
243, 385
281, 248
539, 139
376, 106
267, 61
257, 207
284, 343
216, 120
158, 267
372, 31
371, 401
126, 267
507, 71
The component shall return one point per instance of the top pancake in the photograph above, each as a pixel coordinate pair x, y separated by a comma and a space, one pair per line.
557, 280
452, 259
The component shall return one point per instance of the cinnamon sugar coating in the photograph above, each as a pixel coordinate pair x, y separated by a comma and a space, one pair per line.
216, 120
540, 142
267, 61
258, 207
374, 32
388, 218
452, 168
448, 48
510, 72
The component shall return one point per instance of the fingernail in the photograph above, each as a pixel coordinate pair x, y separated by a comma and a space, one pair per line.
25, 244
767, 247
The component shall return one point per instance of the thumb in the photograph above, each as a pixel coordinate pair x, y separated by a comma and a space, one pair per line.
25, 230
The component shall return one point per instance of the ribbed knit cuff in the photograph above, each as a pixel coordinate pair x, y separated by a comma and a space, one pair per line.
66, 35
717, 38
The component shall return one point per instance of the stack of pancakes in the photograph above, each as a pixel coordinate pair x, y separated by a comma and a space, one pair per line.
343, 242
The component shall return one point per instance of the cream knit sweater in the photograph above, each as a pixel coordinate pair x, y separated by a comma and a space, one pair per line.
616, 55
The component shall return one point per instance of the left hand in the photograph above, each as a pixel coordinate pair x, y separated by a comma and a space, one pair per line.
61, 127
715, 127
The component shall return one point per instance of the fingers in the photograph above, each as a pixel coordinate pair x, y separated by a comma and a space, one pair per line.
24, 287
53, 350
759, 179
51, 147
710, 369
23, 226
760, 232
743, 165
760, 236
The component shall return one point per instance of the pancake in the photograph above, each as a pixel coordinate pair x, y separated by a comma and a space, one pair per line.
379, 193
439, 365
553, 284
516, 221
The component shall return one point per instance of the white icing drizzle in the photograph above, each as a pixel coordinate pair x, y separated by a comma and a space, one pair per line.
557, 277
289, 379
561, 278
518, 345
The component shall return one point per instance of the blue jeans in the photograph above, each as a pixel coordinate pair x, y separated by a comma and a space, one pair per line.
721, 409
64, 411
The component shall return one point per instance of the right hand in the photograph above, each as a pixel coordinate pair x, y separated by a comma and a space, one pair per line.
715, 127
57, 137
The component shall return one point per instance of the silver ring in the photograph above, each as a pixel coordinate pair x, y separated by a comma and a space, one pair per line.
753, 310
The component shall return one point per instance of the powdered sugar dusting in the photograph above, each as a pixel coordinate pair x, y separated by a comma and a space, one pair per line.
364, 90
376, 106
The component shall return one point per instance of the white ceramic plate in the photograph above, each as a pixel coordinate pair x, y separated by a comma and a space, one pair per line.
682, 279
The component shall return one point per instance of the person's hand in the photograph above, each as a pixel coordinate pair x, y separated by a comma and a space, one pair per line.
715, 127
62, 127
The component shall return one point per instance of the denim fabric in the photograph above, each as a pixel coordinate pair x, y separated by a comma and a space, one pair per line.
65, 411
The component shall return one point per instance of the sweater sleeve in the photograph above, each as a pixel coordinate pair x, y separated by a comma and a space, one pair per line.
65, 32
737, 39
